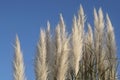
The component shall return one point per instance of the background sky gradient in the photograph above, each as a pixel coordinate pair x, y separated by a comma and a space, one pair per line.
26, 17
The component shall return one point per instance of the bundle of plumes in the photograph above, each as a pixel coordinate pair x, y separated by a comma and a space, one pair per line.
81, 55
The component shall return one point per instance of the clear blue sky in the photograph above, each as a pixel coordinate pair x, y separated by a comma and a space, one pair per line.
26, 17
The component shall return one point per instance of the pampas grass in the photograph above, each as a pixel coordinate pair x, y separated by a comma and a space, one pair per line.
82, 55
61, 51
99, 39
18, 62
77, 39
111, 49
50, 53
41, 68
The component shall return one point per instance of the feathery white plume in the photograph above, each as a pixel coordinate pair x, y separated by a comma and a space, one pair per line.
77, 33
41, 69
18, 62
50, 53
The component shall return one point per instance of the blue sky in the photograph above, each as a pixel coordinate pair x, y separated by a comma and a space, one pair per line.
26, 17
